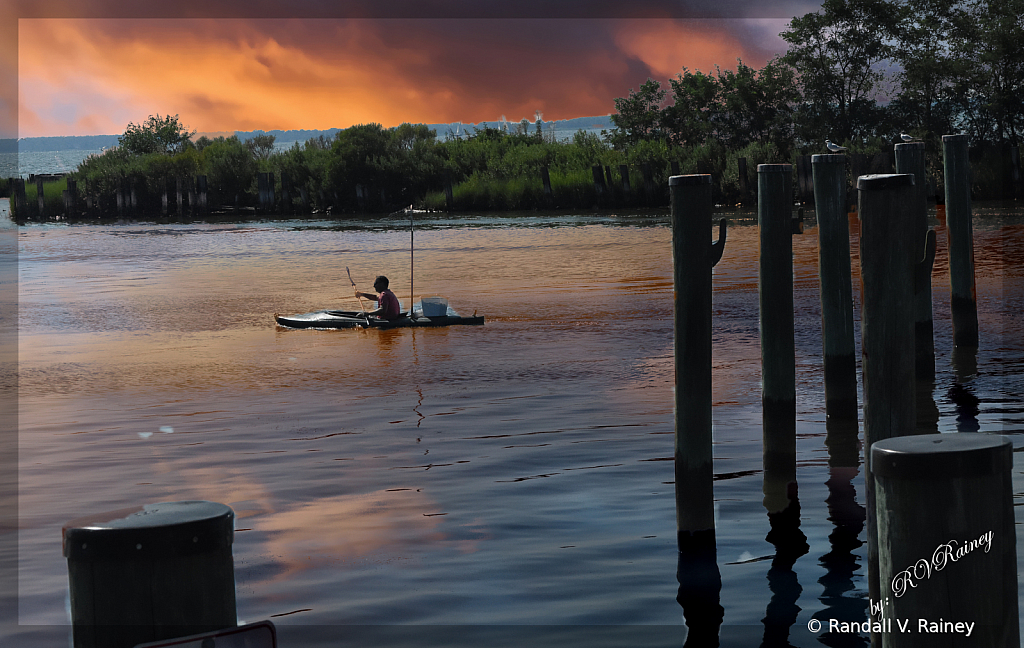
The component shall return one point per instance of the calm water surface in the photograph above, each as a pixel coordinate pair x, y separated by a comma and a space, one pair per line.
391, 484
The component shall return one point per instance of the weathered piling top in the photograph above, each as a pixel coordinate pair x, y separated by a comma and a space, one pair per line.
161, 530
881, 181
941, 456
689, 180
903, 146
774, 168
828, 158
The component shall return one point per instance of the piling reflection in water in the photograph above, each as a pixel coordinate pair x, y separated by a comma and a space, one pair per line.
700, 587
847, 517
783, 506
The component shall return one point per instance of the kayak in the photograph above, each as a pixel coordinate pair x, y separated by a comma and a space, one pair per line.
337, 319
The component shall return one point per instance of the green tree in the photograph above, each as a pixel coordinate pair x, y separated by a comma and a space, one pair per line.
638, 117
837, 54
986, 41
230, 169
156, 135
926, 71
261, 146
757, 105
696, 110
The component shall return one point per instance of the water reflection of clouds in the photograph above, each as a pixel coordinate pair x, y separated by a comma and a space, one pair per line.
386, 525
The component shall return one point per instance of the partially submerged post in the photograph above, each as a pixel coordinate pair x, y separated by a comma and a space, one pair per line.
151, 572
775, 292
960, 236
946, 538
887, 323
836, 285
693, 257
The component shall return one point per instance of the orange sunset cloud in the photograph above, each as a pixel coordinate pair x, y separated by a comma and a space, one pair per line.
93, 76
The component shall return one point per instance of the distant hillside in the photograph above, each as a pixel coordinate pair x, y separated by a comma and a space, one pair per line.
68, 143
562, 129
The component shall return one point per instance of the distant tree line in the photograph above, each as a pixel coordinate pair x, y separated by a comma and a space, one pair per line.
858, 72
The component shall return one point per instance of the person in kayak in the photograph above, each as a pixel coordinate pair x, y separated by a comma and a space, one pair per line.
387, 303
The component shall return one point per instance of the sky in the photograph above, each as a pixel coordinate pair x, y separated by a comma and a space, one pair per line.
92, 66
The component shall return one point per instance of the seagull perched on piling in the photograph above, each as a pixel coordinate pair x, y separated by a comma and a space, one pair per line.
907, 138
835, 148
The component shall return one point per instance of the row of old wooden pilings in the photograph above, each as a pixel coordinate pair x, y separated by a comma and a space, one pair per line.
180, 195
929, 496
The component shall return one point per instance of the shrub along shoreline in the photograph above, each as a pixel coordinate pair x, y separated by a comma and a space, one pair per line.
368, 169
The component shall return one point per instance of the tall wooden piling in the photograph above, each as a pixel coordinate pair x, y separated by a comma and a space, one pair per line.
693, 257
178, 200
960, 236
946, 538
836, 285
887, 323
151, 572
775, 292
910, 160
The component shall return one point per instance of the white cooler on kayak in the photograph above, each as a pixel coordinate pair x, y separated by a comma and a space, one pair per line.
434, 306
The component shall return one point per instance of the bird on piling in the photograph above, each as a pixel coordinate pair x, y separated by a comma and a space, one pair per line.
907, 138
834, 148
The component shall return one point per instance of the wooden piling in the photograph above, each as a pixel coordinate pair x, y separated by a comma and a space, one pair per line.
201, 191
960, 237
286, 193
946, 538
624, 178
449, 194
40, 199
193, 203
648, 182
263, 194
545, 178
836, 285
887, 323
775, 290
163, 198
119, 197
152, 572
599, 186
178, 201
693, 257
910, 160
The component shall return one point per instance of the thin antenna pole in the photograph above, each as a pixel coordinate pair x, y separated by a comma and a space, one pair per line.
412, 292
